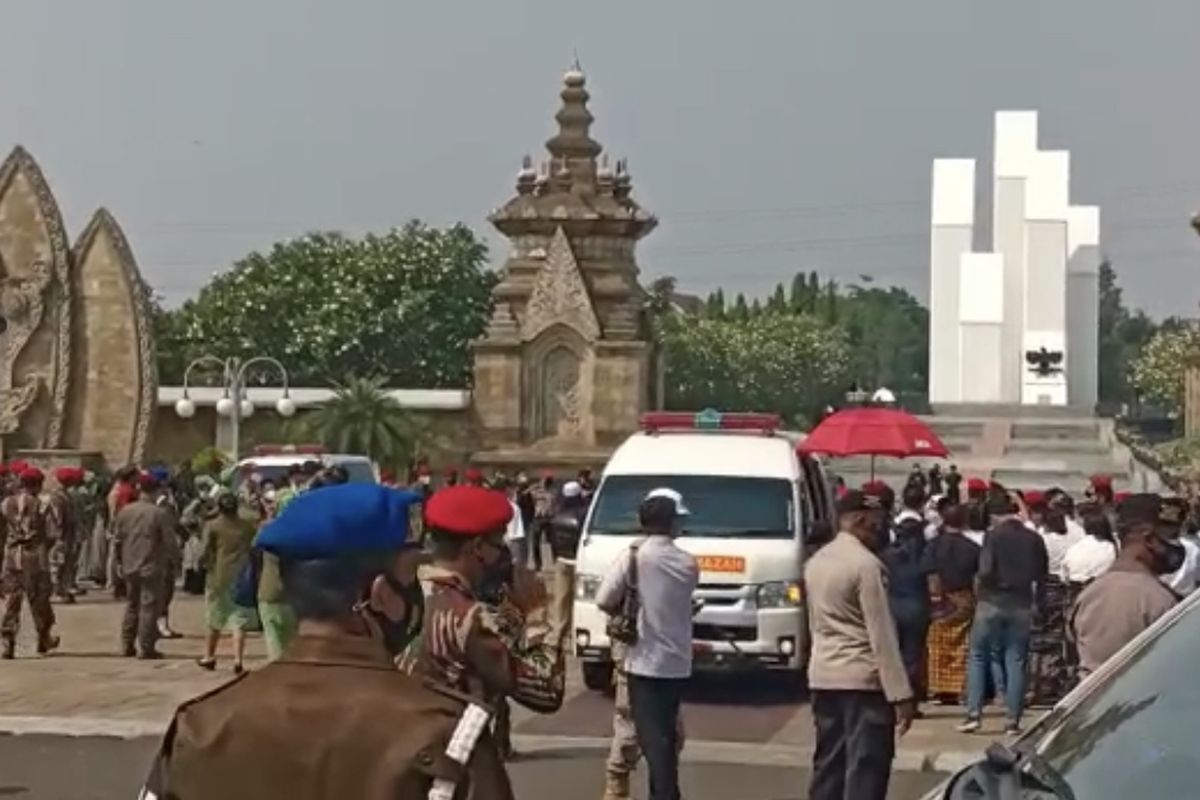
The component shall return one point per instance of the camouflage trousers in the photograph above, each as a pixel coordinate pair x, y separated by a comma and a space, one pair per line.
64, 566
18, 585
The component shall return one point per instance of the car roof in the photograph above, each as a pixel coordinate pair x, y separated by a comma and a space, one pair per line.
287, 459
732, 454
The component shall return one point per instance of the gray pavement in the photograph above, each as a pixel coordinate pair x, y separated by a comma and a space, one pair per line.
97, 768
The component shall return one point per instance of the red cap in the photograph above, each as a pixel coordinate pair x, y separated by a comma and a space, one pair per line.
977, 485
32, 474
473, 475
68, 476
1102, 481
468, 511
1033, 497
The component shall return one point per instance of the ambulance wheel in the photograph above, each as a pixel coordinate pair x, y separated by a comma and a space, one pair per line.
598, 675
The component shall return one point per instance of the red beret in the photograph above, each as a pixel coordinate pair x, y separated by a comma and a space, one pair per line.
473, 474
68, 476
1033, 497
1102, 481
977, 485
146, 481
1121, 497
468, 511
32, 475
17, 467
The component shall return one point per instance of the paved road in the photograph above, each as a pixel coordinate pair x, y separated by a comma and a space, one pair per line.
55, 768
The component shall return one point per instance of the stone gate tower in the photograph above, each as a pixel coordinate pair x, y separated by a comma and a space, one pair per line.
561, 374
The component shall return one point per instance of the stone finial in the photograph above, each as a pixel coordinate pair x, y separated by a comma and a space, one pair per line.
573, 139
526, 176
622, 183
605, 178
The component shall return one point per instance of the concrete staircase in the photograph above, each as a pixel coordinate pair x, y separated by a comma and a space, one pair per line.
1026, 448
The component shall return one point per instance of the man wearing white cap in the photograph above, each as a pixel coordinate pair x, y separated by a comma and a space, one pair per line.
658, 661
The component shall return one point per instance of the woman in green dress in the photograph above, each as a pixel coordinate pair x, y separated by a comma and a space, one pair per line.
228, 538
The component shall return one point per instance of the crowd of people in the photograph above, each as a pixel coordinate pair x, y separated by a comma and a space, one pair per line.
971, 591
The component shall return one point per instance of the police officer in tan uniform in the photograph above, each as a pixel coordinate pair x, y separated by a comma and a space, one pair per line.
333, 718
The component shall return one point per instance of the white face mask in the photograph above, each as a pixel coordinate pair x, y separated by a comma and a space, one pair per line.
269, 494
424, 480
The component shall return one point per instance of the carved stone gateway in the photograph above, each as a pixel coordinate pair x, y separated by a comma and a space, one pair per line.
561, 375
78, 372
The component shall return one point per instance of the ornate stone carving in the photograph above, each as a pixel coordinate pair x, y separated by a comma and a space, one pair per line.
114, 385
562, 395
78, 324
560, 295
36, 264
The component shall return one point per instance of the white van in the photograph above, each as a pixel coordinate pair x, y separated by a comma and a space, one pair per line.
752, 499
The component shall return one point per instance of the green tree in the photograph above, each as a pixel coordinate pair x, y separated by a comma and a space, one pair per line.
658, 310
778, 302
888, 333
814, 292
800, 299
740, 311
792, 364
830, 308
1158, 371
362, 418
402, 306
1123, 335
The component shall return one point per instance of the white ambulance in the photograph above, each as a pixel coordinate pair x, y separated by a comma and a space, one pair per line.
752, 499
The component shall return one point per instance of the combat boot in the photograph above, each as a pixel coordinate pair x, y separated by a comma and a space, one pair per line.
46, 643
10, 648
616, 786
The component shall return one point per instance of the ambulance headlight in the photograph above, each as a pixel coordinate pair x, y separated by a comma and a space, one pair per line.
779, 594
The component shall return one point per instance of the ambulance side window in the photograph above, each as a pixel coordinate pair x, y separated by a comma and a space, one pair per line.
815, 489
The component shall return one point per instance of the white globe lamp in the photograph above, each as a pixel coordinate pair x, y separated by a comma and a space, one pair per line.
185, 408
285, 406
247, 409
225, 407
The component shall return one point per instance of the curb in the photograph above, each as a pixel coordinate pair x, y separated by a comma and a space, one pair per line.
703, 752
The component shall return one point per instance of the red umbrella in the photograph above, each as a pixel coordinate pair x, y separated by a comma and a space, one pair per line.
873, 432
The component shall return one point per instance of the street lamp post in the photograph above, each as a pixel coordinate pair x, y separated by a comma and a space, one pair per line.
234, 403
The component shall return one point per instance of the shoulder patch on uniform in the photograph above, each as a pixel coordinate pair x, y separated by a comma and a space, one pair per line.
212, 692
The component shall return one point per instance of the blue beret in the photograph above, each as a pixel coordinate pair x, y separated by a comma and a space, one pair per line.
344, 520
160, 474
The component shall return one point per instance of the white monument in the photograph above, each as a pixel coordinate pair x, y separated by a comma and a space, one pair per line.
1017, 324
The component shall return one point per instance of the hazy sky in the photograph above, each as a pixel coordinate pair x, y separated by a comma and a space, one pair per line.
768, 135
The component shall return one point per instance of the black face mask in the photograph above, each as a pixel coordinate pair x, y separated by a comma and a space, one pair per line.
398, 634
1169, 557
497, 576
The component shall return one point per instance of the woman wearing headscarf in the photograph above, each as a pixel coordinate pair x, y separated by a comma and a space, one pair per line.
952, 560
227, 540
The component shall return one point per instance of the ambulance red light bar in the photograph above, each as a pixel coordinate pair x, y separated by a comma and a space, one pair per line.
289, 450
709, 420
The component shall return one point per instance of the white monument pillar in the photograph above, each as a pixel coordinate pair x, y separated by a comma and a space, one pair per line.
1083, 305
1015, 144
1045, 276
981, 326
951, 234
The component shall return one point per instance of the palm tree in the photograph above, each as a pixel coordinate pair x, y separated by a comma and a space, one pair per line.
657, 308
362, 418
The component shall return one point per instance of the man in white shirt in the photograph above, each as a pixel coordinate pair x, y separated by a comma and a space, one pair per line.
659, 663
1091, 556
1059, 532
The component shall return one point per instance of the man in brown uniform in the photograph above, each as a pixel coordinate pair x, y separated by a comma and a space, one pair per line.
1127, 599
860, 689
144, 532
26, 569
332, 718
62, 529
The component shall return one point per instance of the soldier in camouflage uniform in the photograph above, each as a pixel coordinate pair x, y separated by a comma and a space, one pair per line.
26, 569
490, 652
62, 528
